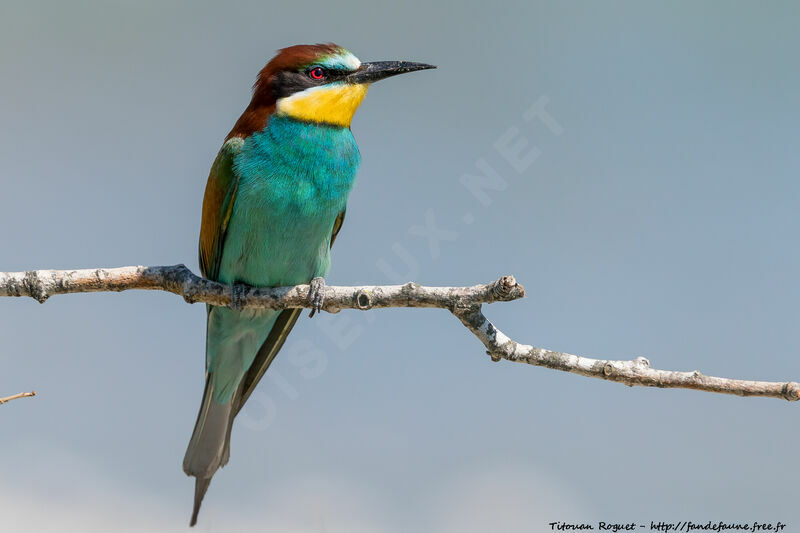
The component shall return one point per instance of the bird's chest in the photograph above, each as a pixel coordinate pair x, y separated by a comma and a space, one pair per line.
294, 181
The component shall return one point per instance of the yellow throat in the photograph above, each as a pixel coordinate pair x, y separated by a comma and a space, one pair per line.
329, 104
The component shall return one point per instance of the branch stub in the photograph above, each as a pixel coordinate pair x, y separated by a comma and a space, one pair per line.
364, 300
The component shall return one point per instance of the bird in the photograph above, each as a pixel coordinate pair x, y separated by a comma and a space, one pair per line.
274, 203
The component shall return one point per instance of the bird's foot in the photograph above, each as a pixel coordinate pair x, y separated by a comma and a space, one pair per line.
316, 295
237, 296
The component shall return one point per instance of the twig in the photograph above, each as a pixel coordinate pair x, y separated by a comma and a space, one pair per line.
464, 302
636, 372
16, 396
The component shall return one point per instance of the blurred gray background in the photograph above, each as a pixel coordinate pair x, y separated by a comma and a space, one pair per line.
659, 218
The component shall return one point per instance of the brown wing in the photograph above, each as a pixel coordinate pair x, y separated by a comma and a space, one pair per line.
217, 206
337, 225
275, 339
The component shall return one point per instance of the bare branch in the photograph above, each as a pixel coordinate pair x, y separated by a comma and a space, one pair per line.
634, 372
463, 302
177, 279
16, 396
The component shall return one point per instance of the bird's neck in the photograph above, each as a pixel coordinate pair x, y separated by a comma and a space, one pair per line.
305, 138
323, 156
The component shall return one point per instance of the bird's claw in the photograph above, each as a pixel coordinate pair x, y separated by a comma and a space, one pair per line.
316, 295
237, 296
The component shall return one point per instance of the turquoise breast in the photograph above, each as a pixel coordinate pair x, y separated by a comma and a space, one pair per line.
294, 180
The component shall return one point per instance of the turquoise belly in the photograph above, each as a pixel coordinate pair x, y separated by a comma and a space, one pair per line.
294, 179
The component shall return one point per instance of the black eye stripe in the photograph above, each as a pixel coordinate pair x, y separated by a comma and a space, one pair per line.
288, 82
329, 73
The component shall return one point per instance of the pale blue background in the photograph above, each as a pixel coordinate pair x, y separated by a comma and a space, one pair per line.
661, 222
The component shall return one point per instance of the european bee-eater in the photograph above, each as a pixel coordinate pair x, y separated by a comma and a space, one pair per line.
274, 203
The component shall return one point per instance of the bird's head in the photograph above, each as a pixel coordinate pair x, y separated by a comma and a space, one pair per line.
322, 83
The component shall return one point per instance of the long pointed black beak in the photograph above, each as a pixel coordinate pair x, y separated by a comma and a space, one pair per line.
378, 70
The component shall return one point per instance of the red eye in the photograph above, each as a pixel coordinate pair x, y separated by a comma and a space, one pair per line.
317, 73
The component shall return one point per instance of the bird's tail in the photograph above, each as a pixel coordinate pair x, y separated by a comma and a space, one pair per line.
200, 488
209, 447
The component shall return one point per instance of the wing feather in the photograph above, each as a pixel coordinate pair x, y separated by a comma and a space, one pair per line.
220, 195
